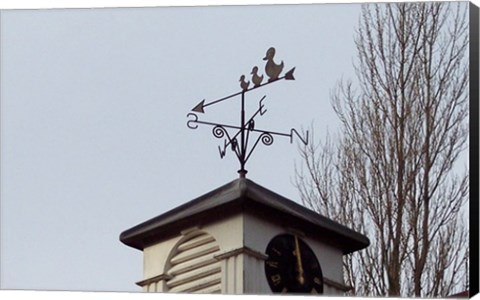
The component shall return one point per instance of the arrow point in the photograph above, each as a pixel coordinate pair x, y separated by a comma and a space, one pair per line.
199, 107
289, 75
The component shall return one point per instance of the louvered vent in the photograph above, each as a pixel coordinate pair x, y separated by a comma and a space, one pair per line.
193, 266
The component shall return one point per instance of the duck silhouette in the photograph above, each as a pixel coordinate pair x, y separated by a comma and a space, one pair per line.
244, 85
271, 68
257, 80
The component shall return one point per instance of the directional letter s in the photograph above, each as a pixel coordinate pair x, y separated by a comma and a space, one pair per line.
194, 120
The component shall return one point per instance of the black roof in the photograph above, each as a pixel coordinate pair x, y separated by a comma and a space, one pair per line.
242, 194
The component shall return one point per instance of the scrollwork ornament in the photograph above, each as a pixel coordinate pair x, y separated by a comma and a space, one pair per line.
219, 132
266, 138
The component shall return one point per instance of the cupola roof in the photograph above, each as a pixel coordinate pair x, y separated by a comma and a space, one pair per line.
237, 196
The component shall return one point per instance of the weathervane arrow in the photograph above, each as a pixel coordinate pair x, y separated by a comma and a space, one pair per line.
199, 108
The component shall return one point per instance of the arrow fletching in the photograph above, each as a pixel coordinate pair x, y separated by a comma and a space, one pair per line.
289, 75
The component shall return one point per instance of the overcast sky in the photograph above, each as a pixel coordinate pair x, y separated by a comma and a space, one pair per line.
94, 106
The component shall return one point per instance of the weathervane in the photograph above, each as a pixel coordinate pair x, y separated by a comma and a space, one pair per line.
238, 142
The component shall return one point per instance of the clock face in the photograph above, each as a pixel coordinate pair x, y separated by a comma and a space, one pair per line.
292, 267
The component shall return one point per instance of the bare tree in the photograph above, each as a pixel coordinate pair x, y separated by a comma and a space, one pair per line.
391, 171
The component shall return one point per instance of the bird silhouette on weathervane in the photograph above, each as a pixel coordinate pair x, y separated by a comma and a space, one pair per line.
257, 80
271, 68
244, 84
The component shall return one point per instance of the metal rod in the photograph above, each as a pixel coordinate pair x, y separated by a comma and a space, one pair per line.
236, 127
242, 92
242, 170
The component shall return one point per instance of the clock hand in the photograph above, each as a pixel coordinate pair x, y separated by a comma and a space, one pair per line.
300, 277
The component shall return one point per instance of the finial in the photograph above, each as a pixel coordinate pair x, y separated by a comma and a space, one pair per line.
239, 138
